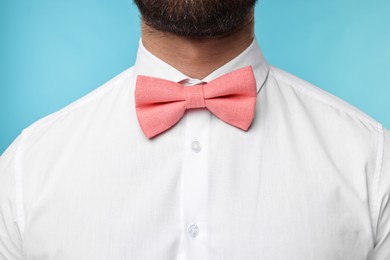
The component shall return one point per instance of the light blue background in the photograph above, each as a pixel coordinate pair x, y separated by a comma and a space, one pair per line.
53, 52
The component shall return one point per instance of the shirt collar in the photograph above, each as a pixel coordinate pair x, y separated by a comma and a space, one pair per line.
149, 65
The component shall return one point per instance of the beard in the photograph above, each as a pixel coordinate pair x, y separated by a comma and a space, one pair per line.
196, 18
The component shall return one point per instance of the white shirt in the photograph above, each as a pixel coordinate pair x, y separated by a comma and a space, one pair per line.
309, 180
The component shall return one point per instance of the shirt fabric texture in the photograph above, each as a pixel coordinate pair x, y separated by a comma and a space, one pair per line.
309, 180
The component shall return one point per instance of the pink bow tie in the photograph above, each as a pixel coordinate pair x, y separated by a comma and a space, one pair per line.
160, 103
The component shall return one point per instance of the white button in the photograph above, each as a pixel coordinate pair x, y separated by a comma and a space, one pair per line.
195, 146
193, 230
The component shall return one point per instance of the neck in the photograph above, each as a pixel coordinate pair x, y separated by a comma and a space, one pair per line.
197, 58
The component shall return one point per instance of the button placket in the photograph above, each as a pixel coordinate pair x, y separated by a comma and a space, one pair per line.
194, 182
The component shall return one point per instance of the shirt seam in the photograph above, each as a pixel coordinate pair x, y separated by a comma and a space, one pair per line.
377, 176
334, 105
98, 92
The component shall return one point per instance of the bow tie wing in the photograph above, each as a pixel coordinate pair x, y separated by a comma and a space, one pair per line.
232, 97
159, 104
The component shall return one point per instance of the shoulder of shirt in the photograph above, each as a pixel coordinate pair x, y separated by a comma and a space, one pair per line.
319, 95
92, 96
387, 136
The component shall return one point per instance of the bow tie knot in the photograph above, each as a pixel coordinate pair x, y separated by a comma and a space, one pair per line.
195, 96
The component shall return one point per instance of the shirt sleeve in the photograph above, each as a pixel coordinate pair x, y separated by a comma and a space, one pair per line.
382, 241
10, 236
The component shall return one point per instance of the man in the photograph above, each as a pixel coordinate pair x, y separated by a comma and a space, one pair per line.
202, 150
